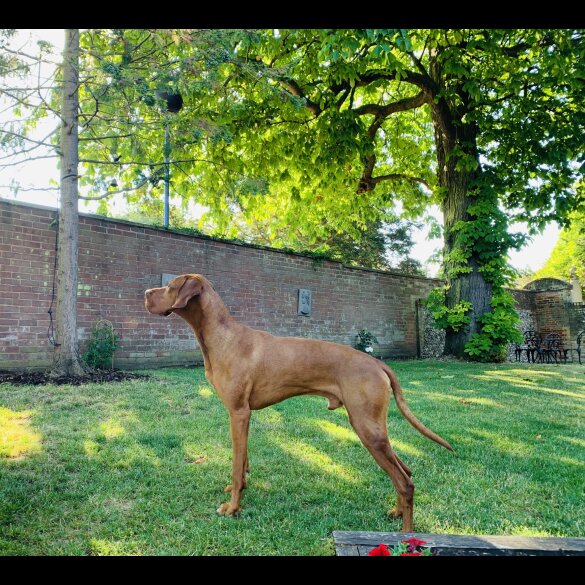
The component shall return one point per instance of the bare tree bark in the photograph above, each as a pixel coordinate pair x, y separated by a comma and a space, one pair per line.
66, 358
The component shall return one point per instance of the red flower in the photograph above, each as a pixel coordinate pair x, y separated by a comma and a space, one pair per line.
380, 551
413, 542
410, 555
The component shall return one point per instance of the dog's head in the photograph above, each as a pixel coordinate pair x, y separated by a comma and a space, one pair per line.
176, 295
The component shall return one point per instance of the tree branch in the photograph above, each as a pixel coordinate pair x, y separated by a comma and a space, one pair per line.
21, 162
38, 142
31, 57
399, 176
41, 97
399, 106
107, 136
424, 81
110, 193
418, 64
294, 88
23, 101
18, 189
381, 112
378, 121
142, 163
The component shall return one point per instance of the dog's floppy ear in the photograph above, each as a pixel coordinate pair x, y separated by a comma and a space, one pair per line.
190, 288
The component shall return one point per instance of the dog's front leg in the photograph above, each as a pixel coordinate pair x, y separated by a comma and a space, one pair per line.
239, 425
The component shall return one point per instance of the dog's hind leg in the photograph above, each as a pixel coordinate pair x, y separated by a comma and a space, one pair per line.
396, 512
403, 465
369, 422
377, 444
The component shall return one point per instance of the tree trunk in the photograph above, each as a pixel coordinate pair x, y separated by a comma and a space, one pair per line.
470, 286
452, 134
66, 359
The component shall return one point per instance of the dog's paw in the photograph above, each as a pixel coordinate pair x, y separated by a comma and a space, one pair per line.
395, 513
228, 510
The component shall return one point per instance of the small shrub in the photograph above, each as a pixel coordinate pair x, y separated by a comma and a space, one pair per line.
101, 347
366, 341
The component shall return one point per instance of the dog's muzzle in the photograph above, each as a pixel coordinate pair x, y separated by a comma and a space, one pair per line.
150, 306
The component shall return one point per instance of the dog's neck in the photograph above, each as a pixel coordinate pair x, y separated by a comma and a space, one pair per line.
211, 322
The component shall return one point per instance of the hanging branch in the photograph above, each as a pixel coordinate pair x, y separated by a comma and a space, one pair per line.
110, 193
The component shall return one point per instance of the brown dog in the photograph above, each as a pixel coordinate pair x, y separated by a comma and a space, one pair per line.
252, 369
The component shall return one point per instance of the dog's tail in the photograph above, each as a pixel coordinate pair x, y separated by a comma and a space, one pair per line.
407, 413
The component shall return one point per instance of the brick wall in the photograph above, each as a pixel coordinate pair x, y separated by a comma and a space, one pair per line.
577, 318
547, 284
552, 298
524, 299
552, 313
118, 260
546, 306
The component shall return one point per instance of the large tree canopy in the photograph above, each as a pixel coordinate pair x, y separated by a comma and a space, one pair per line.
341, 122
226, 146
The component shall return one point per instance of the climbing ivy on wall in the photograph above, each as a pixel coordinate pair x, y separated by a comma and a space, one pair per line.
485, 236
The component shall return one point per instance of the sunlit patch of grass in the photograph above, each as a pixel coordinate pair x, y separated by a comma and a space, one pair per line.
91, 448
315, 458
205, 391
521, 530
560, 392
574, 441
17, 438
482, 402
118, 505
134, 454
572, 461
503, 442
499, 377
99, 547
111, 429
407, 448
269, 417
542, 371
336, 431
193, 452
538, 379
468, 400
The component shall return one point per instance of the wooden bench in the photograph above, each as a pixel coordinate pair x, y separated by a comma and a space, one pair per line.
360, 544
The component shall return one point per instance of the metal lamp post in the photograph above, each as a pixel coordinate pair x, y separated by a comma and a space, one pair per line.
174, 104
167, 149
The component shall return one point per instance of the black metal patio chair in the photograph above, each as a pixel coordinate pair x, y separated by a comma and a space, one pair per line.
552, 349
531, 345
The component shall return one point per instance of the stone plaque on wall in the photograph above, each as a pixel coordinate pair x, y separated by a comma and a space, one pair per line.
304, 306
165, 278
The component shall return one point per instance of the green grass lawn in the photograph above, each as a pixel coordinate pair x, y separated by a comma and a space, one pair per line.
139, 467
